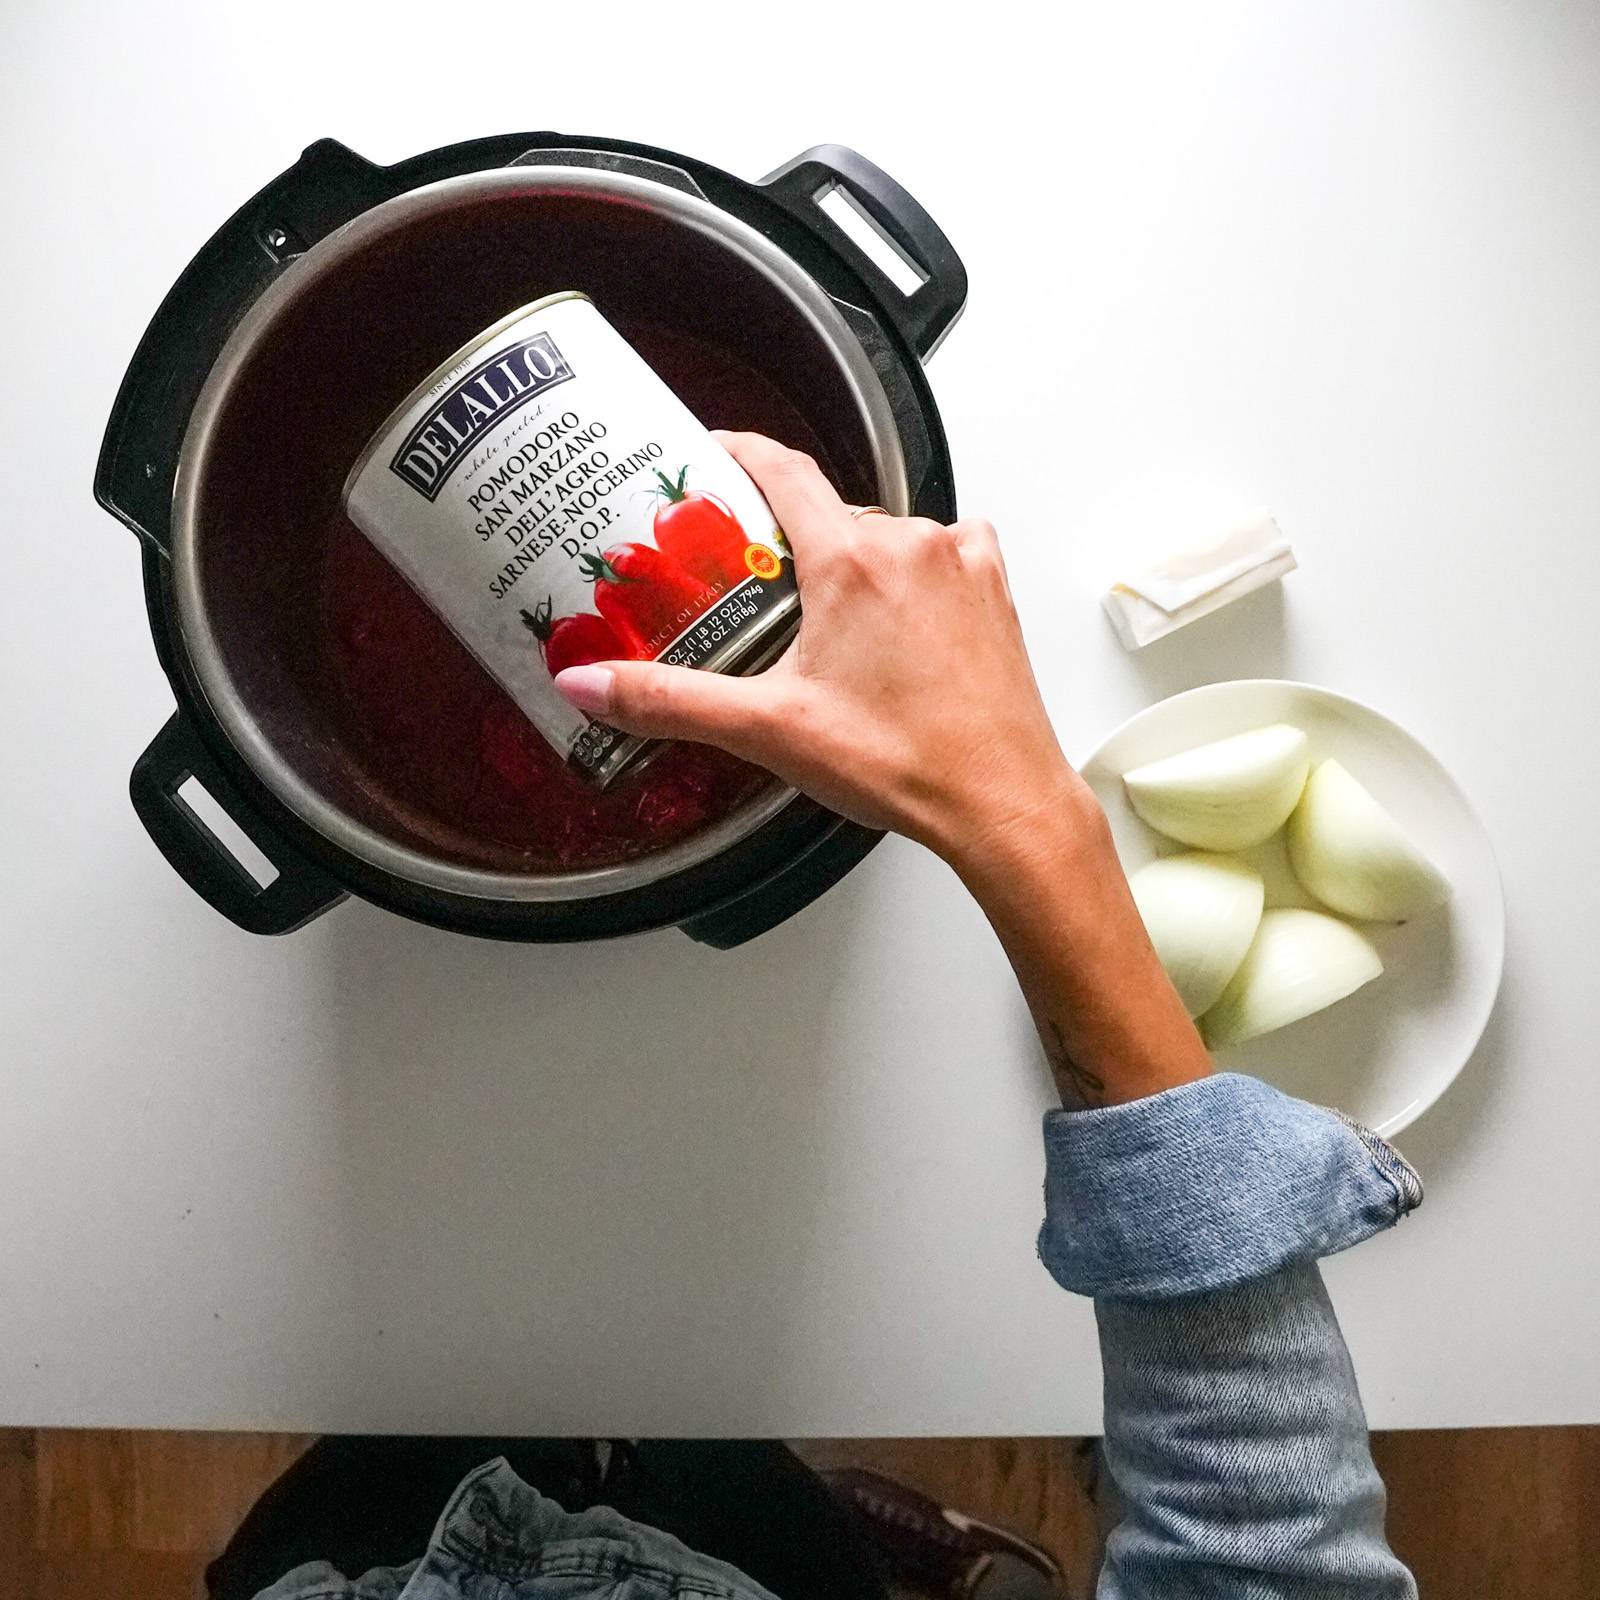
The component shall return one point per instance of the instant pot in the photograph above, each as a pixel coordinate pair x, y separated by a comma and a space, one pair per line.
284, 343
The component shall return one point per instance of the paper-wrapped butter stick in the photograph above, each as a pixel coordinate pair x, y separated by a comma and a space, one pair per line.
1195, 582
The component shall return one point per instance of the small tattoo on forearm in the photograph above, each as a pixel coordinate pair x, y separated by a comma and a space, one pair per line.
1088, 1089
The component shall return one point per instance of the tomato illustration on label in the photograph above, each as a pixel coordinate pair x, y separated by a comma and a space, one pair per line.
646, 596
699, 532
572, 641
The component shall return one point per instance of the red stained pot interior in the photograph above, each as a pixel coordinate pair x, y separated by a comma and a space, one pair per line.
354, 680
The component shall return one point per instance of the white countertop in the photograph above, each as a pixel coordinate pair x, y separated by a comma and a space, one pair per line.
1338, 260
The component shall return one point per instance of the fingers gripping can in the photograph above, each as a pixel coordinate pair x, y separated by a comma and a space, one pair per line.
557, 504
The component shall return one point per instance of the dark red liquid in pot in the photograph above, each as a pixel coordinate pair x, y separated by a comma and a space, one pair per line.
350, 678
436, 726
432, 725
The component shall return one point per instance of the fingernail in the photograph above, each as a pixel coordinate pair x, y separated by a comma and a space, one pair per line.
587, 688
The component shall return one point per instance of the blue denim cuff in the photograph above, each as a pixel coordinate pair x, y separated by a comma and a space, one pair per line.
1207, 1186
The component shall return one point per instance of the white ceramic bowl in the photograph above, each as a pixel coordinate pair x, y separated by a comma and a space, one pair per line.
1384, 1055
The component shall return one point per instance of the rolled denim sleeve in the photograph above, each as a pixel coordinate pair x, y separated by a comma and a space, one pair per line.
1234, 1429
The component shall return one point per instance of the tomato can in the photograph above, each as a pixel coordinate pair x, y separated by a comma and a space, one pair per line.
557, 504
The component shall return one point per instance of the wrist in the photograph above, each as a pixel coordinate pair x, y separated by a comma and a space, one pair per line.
1050, 827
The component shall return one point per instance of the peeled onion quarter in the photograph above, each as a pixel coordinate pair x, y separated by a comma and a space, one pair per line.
1227, 795
1349, 852
1201, 912
1299, 962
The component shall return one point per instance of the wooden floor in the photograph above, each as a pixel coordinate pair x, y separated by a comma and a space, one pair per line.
1508, 1512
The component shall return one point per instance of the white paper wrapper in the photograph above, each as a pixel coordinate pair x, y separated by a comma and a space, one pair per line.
1195, 582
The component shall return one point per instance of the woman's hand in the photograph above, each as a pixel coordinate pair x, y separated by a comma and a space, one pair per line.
906, 701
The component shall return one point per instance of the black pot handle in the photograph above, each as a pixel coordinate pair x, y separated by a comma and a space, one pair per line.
928, 313
300, 892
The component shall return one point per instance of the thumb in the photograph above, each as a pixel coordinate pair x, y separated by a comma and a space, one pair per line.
660, 702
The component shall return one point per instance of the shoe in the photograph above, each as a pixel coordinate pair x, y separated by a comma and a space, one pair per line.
940, 1551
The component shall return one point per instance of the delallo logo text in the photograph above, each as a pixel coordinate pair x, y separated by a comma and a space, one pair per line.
445, 434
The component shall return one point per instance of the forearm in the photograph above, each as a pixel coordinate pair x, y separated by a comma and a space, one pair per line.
907, 701
1049, 881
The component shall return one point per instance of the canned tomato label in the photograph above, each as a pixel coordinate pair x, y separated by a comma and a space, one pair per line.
557, 504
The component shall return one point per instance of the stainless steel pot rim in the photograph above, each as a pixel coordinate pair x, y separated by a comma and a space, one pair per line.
202, 647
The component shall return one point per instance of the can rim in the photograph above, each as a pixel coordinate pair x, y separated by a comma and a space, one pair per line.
208, 668
440, 372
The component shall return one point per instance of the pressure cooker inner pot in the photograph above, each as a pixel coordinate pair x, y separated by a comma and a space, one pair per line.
350, 679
